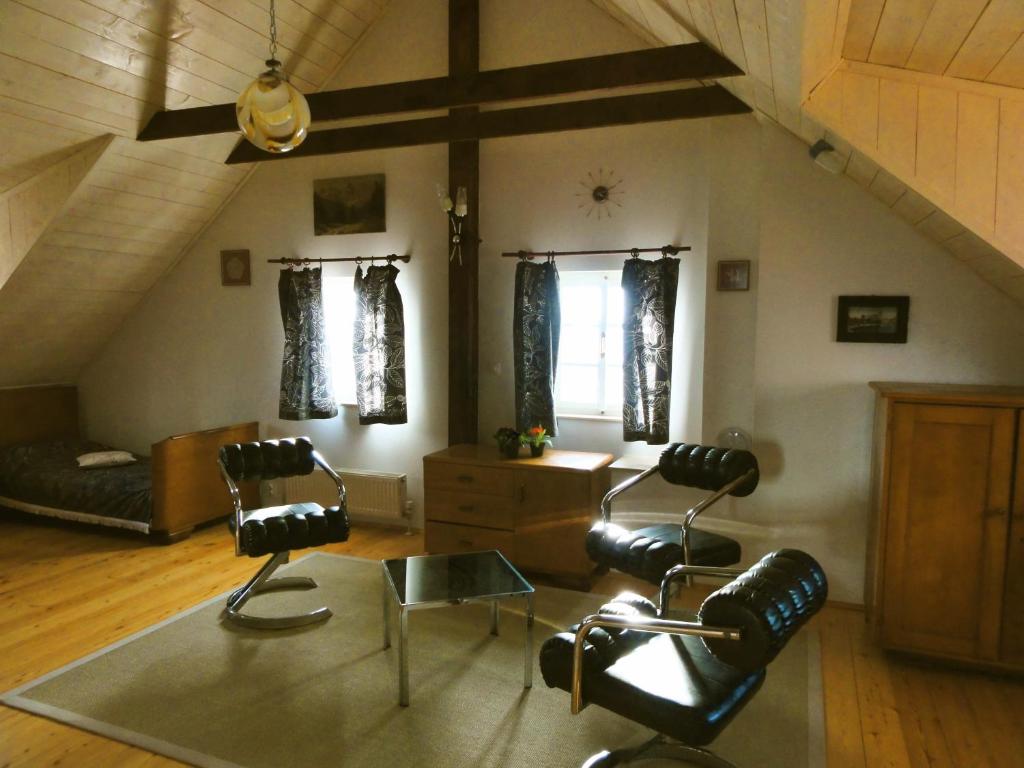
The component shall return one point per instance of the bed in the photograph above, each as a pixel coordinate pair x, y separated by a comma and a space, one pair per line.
165, 495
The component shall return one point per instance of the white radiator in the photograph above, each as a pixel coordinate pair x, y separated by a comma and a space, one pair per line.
377, 495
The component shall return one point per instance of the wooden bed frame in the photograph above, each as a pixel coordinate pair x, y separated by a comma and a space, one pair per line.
187, 486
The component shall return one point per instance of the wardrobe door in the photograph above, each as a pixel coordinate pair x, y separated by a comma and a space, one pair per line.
945, 551
1013, 600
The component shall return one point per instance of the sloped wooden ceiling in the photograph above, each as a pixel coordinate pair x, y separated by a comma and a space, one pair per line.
924, 100
87, 225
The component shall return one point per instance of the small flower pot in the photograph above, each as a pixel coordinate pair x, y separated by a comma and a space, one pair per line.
537, 450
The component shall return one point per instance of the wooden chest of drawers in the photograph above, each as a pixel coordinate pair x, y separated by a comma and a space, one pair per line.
536, 511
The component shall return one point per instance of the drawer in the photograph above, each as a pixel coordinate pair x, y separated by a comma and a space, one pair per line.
495, 481
448, 538
477, 509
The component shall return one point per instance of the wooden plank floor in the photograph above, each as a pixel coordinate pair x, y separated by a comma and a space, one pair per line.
67, 590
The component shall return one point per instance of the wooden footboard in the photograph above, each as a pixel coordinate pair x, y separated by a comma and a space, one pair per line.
187, 486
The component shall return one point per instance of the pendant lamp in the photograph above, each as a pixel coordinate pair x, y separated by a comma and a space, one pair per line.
271, 113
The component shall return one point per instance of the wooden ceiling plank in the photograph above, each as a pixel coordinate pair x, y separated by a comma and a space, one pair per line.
342, 25
307, 29
45, 55
663, 24
728, 26
887, 187
112, 113
73, 38
157, 154
860, 30
157, 190
944, 32
366, 10
898, 29
256, 20
861, 169
56, 238
213, 148
71, 222
657, 65
617, 110
1010, 187
204, 30
343, 17
897, 126
999, 27
753, 24
166, 221
172, 177
1010, 69
860, 109
977, 141
96, 195
913, 208
680, 9
940, 226
704, 21
136, 38
784, 45
936, 144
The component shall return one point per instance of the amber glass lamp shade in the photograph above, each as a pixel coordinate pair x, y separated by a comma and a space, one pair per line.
271, 113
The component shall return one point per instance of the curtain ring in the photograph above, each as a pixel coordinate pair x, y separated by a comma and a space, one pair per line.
635, 252
359, 259
522, 256
390, 258
551, 257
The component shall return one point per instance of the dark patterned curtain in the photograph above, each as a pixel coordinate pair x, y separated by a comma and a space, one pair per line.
650, 311
305, 376
535, 332
378, 347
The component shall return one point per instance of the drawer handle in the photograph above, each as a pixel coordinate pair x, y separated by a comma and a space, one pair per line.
466, 508
465, 478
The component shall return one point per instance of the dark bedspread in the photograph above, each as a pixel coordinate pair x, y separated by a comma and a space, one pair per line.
48, 474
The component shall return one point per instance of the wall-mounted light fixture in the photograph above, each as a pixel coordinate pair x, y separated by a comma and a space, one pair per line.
456, 214
825, 155
271, 112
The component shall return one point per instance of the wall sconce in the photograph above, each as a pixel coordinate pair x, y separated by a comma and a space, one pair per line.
825, 155
456, 214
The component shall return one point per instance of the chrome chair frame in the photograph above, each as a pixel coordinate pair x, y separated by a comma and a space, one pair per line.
691, 513
659, 746
262, 581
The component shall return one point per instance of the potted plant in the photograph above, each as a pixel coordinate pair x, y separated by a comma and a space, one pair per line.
536, 438
508, 442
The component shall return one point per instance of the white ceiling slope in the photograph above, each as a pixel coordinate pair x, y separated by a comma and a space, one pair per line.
924, 99
88, 224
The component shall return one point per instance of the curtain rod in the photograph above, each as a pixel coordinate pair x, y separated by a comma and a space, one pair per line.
390, 257
665, 250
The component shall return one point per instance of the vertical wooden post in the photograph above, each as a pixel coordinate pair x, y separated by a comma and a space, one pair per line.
464, 171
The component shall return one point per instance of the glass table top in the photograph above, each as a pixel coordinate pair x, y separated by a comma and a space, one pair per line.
450, 578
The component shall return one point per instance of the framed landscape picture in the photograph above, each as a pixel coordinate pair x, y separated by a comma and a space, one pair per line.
873, 319
349, 205
734, 275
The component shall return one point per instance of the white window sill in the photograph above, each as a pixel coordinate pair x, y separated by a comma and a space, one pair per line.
588, 417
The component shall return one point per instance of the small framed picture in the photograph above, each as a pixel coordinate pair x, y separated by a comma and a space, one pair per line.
873, 319
349, 205
734, 275
234, 268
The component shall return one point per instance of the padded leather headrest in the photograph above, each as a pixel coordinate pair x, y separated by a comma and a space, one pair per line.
269, 459
769, 602
707, 467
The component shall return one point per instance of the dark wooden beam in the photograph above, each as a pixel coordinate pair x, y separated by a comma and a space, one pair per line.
707, 101
463, 273
693, 61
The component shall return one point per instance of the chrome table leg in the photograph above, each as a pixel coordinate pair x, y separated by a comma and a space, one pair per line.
403, 656
528, 665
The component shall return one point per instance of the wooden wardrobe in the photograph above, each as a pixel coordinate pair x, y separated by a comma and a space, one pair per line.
945, 571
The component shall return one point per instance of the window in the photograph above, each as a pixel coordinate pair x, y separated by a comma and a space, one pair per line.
339, 315
589, 378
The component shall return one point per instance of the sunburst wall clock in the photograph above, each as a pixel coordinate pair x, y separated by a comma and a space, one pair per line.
602, 192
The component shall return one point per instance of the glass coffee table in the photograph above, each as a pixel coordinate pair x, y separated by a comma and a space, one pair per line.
434, 581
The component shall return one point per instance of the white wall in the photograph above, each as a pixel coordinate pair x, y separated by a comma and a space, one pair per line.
195, 354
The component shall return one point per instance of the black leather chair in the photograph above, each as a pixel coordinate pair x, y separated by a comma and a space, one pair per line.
648, 553
685, 678
275, 531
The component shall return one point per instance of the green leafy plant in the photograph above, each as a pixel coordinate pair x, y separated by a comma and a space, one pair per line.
535, 437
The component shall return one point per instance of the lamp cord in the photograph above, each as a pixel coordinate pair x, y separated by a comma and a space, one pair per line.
273, 32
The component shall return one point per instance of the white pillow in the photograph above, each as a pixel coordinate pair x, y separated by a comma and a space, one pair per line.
104, 459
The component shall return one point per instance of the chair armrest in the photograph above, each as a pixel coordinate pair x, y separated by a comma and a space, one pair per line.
342, 493
687, 571
236, 501
625, 485
639, 623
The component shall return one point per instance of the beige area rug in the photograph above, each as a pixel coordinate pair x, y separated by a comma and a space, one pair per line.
196, 690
